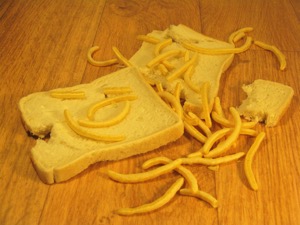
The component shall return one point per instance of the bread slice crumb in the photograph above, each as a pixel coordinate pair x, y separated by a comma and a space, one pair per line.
266, 101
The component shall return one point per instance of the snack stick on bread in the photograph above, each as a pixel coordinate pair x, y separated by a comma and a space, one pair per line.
266, 101
207, 68
150, 123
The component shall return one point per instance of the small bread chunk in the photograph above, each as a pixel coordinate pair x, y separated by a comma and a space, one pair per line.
267, 101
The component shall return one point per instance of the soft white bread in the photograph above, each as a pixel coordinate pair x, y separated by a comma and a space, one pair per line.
266, 101
208, 68
149, 124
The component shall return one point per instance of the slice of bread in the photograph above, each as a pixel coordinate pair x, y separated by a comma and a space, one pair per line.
266, 101
208, 68
149, 124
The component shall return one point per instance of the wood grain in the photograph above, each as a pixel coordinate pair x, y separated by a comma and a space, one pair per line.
43, 45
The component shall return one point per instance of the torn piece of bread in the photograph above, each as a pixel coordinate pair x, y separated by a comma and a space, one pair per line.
207, 68
149, 124
266, 101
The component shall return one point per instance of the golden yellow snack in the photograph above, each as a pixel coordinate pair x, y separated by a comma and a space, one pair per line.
187, 174
177, 91
249, 158
225, 145
84, 133
163, 56
226, 123
161, 45
182, 69
193, 121
159, 87
248, 131
187, 78
187, 56
168, 65
173, 101
161, 201
237, 35
116, 90
201, 124
148, 39
217, 107
94, 62
280, 56
113, 121
205, 104
121, 57
213, 139
212, 162
108, 101
218, 51
163, 69
194, 132
201, 195
148, 175
68, 95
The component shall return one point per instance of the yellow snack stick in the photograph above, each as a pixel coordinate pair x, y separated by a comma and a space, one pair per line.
177, 91
158, 203
237, 35
190, 120
113, 121
221, 119
68, 95
201, 195
194, 132
187, 56
187, 174
116, 90
218, 51
121, 57
108, 101
84, 133
212, 162
248, 131
212, 139
214, 168
226, 123
218, 107
280, 56
201, 124
182, 69
161, 45
161, 57
205, 104
148, 175
168, 65
148, 39
163, 69
248, 125
94, 62
224, 146
159, 87
195, 154
249, 159
187, 78
173, 101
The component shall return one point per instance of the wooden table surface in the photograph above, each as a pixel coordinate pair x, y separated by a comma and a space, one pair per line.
43, 45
